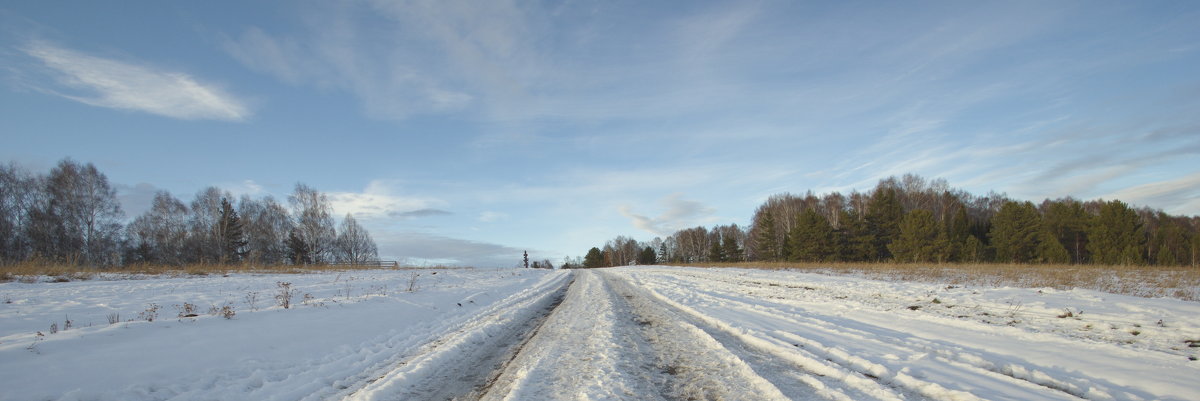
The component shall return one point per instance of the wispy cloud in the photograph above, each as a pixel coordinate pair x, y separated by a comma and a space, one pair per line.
680, 213
1182, 193
378, 200
492, 216
421, 213
425, 248
123, 85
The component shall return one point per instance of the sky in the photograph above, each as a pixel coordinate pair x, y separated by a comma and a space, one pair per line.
466, 133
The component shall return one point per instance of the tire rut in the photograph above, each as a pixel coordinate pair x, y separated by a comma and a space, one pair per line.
803, 378
464, 365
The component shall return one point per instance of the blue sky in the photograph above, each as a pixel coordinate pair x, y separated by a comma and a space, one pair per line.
467, 132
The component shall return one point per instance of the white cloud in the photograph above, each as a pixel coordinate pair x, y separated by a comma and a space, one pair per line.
424, 248
490, 216
1180, 195
135, 199
680, 213
121, 85
378, 201
246, 187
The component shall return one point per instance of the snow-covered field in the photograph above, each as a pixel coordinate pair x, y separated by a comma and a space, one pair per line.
627, 333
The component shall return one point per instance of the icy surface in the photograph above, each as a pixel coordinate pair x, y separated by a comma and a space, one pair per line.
636, 333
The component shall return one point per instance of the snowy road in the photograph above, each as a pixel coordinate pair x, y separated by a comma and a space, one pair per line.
655, 333
636, 333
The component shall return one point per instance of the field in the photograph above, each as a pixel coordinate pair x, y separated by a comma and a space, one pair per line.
623, 333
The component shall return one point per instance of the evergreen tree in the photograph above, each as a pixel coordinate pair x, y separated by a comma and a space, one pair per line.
1015, 231
1066, 220
854, 240
917, 239
647, 256
884, 213
1116, 236
945, 250
765, 246
229, 233
1050, 250
593, 259
299, 253
714, 252
956, 234
730, 249
811, 240
972, 250
1170, 241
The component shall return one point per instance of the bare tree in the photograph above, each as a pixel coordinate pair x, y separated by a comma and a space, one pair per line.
159, 235
266, 224
19, 194
314, 223
354, 243
79, 219
204, 240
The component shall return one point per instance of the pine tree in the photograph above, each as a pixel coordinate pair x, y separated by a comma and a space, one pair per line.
765, 246
1116, 236
1066, 220
956, 234
730, 249
972, 250
884, 213
298, 251
811, 240
229, 233
593, 259
714, 252
918, 236
853, 239
1170, 241
1015, 231
1050, 250
647, 256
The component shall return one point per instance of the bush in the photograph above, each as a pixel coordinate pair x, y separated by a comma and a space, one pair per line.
284, 296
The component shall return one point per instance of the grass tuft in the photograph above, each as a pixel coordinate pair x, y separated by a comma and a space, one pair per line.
1143, 281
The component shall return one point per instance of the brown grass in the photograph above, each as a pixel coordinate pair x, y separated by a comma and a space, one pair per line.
1143, 281
34, 270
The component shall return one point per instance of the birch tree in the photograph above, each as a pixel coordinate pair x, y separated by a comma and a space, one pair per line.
354, 243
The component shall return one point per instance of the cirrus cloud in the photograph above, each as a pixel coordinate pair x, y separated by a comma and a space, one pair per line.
115, 84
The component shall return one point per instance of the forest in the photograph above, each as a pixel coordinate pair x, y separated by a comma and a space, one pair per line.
71, 216
912, 219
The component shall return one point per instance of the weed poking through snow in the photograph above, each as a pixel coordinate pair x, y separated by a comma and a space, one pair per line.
150, 313
284, 296
412, 282
186, 311
252, 300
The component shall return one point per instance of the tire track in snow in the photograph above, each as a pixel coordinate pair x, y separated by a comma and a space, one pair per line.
878, 351
608, 342
799, 376
585, 350
697, 366
460, 362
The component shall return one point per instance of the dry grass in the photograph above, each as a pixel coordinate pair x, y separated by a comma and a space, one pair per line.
1143, 281
33, 271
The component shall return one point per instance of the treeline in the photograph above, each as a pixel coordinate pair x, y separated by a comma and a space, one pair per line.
71, 216
911, 219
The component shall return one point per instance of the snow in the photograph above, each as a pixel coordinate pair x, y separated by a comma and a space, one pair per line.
624, 333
